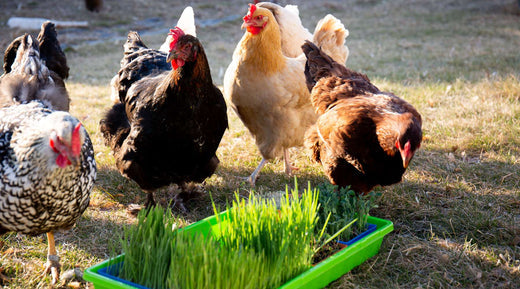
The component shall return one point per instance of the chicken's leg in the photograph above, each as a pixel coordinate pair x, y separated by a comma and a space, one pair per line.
53, 260
252, 178
150, 201
134, 209
288, 167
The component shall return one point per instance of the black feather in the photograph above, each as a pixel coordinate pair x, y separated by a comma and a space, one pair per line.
170, 122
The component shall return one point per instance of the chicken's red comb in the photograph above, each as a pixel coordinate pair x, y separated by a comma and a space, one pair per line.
76, 140
176, 33
249, 15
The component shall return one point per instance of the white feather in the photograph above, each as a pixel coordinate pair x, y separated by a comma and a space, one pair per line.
187, 23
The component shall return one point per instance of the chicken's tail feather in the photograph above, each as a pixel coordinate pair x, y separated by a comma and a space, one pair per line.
318, 64
133, 43
51, 52
24, 58
115, 126
330, 35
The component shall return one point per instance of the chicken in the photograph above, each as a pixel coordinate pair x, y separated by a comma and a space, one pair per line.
267, 90
151, 60
363, 137
293, 34
169, 124
35, 69
47, 170
138, 61
94, 5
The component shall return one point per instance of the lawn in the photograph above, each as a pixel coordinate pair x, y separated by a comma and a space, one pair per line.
457, 211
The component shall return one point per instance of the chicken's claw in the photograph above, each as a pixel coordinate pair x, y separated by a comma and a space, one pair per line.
133, 209
250, 179
53, 267
289, 170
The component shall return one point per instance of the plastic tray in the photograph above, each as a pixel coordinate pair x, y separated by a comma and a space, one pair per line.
316, 277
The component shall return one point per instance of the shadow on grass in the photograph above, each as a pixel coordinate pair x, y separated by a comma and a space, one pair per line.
456, 198
456, 226
406, 261
106, 217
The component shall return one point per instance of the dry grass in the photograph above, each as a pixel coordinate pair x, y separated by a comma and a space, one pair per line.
457, 212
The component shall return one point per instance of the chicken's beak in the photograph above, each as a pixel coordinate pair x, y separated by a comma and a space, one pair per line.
245, 24
406, 153
171, 56
254, 26
406, 159
75, 161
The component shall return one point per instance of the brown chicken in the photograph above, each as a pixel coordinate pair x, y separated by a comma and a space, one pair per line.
363, 137
267, 89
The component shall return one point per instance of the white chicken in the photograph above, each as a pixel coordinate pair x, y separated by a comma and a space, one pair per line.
294, 34
267, 89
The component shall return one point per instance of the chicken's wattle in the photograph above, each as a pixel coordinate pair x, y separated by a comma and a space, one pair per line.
254, 30
62, 161
176, 63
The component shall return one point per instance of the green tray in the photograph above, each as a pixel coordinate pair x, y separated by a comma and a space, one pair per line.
316, 277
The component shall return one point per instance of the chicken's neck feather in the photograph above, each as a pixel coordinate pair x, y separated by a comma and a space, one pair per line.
192, 73
391, 127
264, 50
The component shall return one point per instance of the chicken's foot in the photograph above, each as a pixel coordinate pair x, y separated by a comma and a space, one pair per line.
287, 162
53, 260
150, 201
188, 191
252, 178
134, 209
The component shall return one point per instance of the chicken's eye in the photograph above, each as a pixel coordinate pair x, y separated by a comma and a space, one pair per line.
259, 17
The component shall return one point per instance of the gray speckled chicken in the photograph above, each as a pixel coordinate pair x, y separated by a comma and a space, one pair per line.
47, 170
35, 69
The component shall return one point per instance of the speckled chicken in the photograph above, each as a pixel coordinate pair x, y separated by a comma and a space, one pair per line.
35, 69
47, 171
363, 137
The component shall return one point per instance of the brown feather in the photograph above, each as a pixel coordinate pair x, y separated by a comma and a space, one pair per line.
358, 127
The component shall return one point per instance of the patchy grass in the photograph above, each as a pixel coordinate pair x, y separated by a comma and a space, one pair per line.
457, 212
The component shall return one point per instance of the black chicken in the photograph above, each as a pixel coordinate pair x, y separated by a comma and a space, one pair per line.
363, 137
94, 5
150, 62
47, 170
35, 69
169, 124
